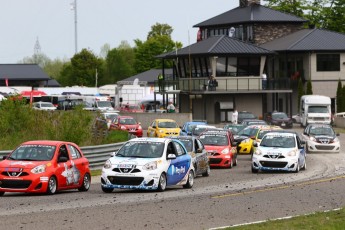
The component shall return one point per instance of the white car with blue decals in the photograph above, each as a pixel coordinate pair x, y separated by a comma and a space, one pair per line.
279, 151
148, 164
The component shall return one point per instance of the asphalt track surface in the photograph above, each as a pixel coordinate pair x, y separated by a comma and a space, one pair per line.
227, 197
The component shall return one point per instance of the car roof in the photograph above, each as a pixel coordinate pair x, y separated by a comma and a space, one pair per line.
45, 142
149, 139
164, 119
184, 137
219, 131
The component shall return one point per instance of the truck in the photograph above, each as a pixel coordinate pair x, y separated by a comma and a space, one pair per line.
315, 109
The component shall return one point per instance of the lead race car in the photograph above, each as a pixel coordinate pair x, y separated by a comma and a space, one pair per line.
148, 164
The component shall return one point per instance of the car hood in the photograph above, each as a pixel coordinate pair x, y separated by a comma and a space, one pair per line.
238, 138
130, 161
275, 151
210, 148
177, 130
323, 137
131, 126
21, 164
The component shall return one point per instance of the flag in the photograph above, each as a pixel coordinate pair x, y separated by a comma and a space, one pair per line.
6, 81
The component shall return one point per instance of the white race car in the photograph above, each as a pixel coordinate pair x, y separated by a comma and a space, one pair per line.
279, 151
148, 164
321, 138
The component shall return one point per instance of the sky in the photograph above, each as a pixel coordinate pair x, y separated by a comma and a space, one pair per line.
99, 22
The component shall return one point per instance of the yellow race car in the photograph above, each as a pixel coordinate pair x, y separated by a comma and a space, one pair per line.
163, 128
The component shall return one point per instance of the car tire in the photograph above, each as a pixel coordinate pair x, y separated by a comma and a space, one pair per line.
254, 170
86, 183
190, 180
162, 183
297, 168
304, 166
52, 185
107, 190
208, 170
231, 163
236, 161
2, 193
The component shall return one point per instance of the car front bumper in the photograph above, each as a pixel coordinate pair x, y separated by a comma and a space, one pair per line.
269, 164
319, 147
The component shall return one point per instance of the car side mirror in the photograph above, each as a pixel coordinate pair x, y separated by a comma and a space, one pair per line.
112, 154
171, 156
338, 134
4, 157
154, 126
199, 150
139, 123
255, 144
62, 159
302, 142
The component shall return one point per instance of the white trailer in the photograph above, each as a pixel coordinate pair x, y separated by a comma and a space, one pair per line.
315, 109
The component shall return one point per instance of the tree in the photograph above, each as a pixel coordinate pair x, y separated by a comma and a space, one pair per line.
300, 92
309, 88
119, 63
339, 97
82, 70
54, 68
295, 7
343, 99
158, 42
40, 59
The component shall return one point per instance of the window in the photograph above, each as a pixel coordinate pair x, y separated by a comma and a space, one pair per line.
328, 62
179, 150
74, 152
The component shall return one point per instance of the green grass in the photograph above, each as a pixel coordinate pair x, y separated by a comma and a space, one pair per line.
331, 220
96, 172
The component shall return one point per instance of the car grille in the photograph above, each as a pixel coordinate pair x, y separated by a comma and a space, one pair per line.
172, 133
14, 174
118, 180
273, 164
21, 184
215, 160
126, 170
274, 156
324, 141
324, 147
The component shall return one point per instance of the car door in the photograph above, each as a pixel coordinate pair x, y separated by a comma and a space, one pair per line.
302, 152
63, 167
78, 167
201, 156
179, 166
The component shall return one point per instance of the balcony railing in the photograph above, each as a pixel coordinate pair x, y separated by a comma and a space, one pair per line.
227, 84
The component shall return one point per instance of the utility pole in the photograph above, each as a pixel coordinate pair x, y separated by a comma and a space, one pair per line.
74, 7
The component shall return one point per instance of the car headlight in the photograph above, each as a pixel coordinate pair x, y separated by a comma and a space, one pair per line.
335, 140
107, 164
225, 151
246, 141
312, 139
292, 153
150, 166
161, 131
258, 152
123, 127
39, 169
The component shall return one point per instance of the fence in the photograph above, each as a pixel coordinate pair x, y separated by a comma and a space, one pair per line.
97, 155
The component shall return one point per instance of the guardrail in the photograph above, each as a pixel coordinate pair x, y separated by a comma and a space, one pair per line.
97, 155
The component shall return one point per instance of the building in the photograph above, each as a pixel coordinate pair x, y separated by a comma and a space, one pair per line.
238, 46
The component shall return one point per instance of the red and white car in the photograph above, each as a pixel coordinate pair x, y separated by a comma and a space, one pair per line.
44, 167
220, 146
129, 124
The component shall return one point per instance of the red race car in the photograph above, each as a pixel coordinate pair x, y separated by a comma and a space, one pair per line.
220, 147
127, 123
44, 167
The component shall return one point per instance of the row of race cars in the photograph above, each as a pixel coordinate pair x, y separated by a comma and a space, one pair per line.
169, 155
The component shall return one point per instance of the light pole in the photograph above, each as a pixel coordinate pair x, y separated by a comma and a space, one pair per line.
74, 7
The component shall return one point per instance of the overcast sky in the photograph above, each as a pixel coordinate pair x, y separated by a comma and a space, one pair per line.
99, 22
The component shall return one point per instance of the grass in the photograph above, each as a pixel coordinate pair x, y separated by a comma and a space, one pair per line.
332, 220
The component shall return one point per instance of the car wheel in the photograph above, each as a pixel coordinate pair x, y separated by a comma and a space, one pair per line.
235, 162
162, 183
195, 170
86, 183
297, 168
2, 193
254, 170
190, 180
107, 190
52, 185
231, 163
305, 165
208, 170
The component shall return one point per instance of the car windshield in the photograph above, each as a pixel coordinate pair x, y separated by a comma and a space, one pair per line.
47, 105
278, 141
127, 121
104, 104
262, 133
167, 124
234, 129
188, 143
111, 116
327, 131
249, 132
218, 140
279, 116
33, 153
318, 109
141, 150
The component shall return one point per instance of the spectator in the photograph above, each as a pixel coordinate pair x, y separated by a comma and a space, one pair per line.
171, 108
234, 116
212, 83
264, 80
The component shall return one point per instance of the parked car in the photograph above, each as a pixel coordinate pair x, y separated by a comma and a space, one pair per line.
279, 151
129, 108
245, 115
44, 167
188, 126
148, 164
163, 128
47, 106
127, 123
321, 138
105, 119
198, 153
220, 147
234, 128
279, 119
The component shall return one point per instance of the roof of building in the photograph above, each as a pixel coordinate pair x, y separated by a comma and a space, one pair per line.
148, 76
22, 72
218, 45
308, 40
251, 14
